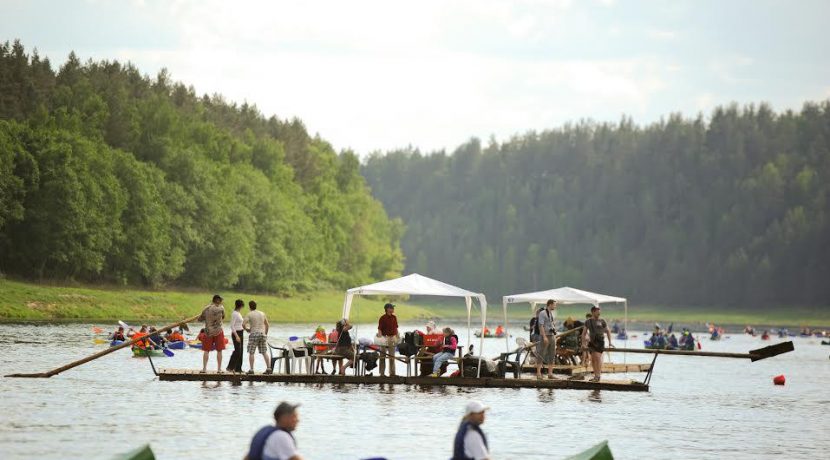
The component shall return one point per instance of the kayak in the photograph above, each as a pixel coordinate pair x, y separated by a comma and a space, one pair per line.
180, 345
489, 336
599, 452
825, 342
116, 343
195, 344
139, 353
142, 453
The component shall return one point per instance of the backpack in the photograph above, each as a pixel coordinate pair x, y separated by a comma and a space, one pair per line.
407, 346
534, 323
258, 443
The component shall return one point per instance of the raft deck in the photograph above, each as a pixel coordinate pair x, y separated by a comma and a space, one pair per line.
171, 375
607, 368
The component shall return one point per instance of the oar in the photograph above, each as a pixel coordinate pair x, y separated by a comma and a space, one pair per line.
104, 352
754, 355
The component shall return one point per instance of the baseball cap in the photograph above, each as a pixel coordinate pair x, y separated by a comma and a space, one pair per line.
284, 408
475, 407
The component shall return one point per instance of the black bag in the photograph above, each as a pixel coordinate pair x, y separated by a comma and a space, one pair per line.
534, 323
370, 358
408, 347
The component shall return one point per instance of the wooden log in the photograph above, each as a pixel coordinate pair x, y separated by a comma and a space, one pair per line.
104, 352
753, 355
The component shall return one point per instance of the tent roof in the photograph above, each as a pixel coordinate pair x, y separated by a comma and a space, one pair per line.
563, 295
413, 284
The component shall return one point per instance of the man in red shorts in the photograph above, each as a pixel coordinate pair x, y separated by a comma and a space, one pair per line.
213, 315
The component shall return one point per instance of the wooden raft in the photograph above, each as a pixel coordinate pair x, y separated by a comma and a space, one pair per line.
607, 368
171, 375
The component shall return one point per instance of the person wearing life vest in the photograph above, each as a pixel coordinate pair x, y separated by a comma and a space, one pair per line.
447, 351
275, 442
140, 334
470, 442
499, 331
119, 334
320, 337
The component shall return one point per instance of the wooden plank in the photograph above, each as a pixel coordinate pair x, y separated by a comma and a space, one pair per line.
189, 375
607, 368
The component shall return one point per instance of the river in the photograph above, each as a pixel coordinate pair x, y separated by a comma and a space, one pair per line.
698, 408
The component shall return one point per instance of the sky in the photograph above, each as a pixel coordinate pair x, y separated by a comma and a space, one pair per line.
380, 75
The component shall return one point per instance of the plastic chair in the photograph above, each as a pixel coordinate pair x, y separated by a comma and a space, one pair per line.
298, 355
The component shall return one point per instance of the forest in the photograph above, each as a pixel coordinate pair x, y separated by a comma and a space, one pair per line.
730, 208
110, 176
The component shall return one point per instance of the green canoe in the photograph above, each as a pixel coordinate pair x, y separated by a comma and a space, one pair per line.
599, 452
139, 353
142, 453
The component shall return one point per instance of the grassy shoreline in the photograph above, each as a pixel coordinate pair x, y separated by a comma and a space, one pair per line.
31, 302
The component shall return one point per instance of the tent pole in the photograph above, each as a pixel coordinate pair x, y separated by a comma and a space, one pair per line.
625, 328
506, 328
481, 339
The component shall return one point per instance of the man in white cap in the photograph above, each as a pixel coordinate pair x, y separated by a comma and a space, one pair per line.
470, 442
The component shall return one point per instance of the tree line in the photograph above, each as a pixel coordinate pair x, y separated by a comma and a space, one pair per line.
731, 209
107, 175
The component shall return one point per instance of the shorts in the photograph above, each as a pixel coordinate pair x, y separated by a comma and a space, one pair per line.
217, 342
546, 353
257, 341
597, 346
346, 352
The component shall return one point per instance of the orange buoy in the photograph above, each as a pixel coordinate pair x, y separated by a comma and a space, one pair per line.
779, 379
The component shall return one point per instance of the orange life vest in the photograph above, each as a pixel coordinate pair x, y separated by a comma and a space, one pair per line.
141, 343
321, 336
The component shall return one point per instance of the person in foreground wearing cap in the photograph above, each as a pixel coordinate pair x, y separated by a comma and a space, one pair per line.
595, 327
470, 442
388, 330
214, 339
275, 442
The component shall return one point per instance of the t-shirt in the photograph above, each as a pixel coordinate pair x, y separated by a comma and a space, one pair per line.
236, 321
388, 325
256, 321
213, 315
596, 328
545, 322
474, 446
344, 339
279, 446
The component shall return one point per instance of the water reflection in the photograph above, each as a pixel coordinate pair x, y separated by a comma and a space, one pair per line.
595, 396
545, 395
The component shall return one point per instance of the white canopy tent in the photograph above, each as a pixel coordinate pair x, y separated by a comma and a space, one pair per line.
416, 284
564, 295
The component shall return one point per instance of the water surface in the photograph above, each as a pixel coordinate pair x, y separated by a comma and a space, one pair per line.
698, 408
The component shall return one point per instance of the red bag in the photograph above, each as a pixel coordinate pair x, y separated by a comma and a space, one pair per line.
433, 340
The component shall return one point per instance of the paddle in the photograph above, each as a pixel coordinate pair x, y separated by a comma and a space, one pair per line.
167, 352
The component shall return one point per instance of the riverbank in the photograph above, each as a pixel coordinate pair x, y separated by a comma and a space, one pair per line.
21, 301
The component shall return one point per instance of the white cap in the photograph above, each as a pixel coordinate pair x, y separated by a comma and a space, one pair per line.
475, 407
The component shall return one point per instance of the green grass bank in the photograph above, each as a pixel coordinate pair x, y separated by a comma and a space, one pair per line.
23, 301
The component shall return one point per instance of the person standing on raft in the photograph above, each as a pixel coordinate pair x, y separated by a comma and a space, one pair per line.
237, 334
595, 327
214, 339
388, 332
256, 323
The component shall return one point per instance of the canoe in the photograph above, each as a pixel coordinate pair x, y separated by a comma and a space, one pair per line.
599, 452
142, 453
139, 353
177, 345
489, 336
